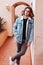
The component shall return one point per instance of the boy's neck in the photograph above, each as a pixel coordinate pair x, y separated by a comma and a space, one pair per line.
25, 17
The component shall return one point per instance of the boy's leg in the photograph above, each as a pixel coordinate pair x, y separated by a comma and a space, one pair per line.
21, 52
18, 59
18, 50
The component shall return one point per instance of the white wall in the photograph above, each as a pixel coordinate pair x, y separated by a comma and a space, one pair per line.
39, 33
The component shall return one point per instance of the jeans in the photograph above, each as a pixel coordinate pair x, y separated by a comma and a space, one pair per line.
21, 49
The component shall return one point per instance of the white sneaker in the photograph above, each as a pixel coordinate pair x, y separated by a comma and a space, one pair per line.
16, 64
11, 62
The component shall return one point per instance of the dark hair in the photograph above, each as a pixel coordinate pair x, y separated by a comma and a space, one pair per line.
31, 11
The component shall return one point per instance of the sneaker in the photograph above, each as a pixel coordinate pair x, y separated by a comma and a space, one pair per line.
16, 64
11, 62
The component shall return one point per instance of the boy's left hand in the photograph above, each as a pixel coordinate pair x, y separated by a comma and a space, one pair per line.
28, 45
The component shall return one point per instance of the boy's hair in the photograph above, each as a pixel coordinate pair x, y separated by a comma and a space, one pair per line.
31, 11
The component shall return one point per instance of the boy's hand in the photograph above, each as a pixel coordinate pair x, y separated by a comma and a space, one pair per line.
28, 45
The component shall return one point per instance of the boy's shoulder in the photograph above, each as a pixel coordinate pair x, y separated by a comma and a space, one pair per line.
19, 18
31, 20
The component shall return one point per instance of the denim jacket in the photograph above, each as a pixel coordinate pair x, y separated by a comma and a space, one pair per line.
18, 29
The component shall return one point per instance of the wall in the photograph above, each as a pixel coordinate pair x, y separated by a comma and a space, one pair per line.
7, 15
39, 33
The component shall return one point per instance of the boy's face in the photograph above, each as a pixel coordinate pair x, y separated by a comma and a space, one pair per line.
27, 12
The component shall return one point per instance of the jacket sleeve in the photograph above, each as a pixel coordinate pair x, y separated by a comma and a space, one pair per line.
15, 27
32, 33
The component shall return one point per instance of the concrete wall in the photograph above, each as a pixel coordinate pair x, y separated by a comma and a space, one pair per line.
39, 33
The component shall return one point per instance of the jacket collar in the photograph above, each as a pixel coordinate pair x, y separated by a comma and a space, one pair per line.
22, 18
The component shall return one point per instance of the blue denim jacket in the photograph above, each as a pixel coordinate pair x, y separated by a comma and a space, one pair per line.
18, 29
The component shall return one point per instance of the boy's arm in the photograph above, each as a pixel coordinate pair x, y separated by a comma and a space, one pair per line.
31, 35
